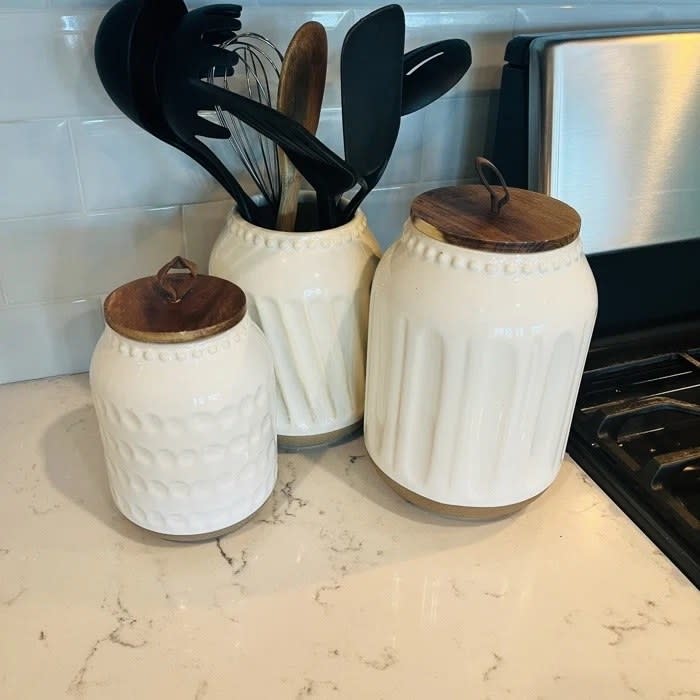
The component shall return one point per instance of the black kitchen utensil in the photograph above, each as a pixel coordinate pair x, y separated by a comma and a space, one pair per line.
371, 78
127, 45
185, 96
431, 70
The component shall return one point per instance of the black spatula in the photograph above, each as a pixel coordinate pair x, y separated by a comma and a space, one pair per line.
371, 77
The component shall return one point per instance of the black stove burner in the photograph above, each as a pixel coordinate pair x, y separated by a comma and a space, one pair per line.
636, 431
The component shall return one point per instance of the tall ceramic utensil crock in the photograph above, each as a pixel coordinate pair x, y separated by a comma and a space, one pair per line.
309, 292
481, 317
183, 386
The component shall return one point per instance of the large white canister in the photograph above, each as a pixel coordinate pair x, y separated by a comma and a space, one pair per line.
184, 388
481, 317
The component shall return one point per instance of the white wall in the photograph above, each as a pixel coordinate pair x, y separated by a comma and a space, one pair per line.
88, 201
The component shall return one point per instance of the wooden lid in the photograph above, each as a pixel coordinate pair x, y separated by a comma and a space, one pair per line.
472, 216
175, 308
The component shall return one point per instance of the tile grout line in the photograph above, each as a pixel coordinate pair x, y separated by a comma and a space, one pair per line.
63, 300
68, 116
103, 212
81, 189
183, 232
421, 150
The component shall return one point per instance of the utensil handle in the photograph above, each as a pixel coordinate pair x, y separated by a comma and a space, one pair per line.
303, 149
290, 182
354, 204
209, 161
325, 206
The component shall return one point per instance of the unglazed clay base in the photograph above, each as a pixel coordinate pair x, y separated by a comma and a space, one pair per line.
452, 511
293, 443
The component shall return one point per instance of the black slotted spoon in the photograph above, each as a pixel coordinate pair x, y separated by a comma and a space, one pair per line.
431, 70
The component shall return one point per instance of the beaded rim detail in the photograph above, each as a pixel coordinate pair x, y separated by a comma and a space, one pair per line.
257, 237
181, 352
418, 245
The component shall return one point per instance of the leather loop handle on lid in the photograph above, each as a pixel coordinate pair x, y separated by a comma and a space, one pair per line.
172, 293
496, 202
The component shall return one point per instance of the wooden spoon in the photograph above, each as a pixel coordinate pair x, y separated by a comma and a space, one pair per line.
299, 96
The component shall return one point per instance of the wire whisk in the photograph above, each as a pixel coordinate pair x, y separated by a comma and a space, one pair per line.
256, 75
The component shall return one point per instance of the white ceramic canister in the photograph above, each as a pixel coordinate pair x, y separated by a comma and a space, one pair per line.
309, 293
480, 325
183, 386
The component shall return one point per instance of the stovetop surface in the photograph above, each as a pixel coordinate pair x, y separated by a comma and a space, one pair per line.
636, 431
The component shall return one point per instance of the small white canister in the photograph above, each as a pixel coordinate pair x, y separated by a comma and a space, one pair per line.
309, 292
183, 386
480, 322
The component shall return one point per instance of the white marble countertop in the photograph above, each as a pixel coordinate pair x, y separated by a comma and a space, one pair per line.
338, 589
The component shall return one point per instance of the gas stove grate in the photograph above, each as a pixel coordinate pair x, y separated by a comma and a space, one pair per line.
636, 431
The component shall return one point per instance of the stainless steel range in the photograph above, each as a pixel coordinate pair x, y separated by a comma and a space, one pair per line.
610, 123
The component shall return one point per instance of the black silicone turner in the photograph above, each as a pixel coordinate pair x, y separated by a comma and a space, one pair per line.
371, 77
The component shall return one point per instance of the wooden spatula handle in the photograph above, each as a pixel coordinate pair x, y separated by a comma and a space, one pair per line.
299, 96
290, 183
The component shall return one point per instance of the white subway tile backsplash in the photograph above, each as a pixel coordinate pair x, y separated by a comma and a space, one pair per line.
81, 4
22, 4
41, 340
121, 165
540, 18
455, 132
330, 129
486, 29
48, 70
83, 256
202, 224
89, 201
404, 166
387, 209
90, 97
38, 173
326, 4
